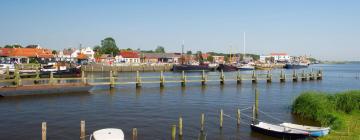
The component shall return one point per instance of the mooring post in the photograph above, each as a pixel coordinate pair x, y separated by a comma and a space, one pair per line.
238, 78
222, 77
238, 117
282, 76
253, 114
37, 77
134, 134
295, 77
43, 131
202, 122
82, 130
268, 77
256, 103
162, 79
311, 75
253, 77
173, 132
303, 76
92, 68
17, 77
221, 118
203, 78
112, 80
180, 126
51, 80
319, 75
83, 77
183, 79
7, 72
138, 79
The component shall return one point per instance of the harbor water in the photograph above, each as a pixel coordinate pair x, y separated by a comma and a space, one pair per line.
152, 110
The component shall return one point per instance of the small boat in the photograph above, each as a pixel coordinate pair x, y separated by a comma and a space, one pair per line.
296, 65
314, 131
263, 67
246, 67
279, 131
226, 68
4, 66
108, 134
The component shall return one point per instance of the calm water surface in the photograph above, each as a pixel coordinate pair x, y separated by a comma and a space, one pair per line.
153, 110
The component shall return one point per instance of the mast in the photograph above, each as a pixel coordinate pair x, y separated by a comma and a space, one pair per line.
244, 48
182, 53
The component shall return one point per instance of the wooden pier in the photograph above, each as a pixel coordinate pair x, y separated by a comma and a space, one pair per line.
137, 80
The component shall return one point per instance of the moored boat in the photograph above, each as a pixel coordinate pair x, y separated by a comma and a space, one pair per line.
296, 65
226, 68
314, 131
108, 134
179, 68
25, 90
279, 131
246, 67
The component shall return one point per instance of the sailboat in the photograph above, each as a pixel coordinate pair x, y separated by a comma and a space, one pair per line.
246, 65
227, 67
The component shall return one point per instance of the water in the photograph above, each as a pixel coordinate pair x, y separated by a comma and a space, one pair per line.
152, 110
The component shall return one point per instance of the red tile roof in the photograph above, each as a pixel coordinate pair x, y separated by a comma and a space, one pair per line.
82, 56
278, 54
26, 52
129, 54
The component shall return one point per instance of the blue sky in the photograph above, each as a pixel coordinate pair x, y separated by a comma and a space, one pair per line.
325, 29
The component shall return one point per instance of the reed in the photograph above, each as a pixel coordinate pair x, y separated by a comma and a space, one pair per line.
326, 107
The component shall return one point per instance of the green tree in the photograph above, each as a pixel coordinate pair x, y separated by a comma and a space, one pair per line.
210, 58
108, 46
199, 57
160, 49
54, 52
189, 52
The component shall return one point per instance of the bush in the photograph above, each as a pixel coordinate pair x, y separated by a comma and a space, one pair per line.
323, 107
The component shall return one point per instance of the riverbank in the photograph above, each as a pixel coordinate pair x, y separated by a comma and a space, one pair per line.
340, 111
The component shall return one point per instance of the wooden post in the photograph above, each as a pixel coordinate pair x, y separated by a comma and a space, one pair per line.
83, 78
36, 81
203, 78
17, 77
202, 122
162, 79
238, 78
282, 76
303, 76
183, 79
134, 134
82, 130
253, 114
173, 132
138, 79
221, 118
295, 77
112, 80
238, 117
222, 77
51, 80
7, 72
43, 131
319, 76
268, 77
180, 127
92, 68
253, 77
102, 66
256, 103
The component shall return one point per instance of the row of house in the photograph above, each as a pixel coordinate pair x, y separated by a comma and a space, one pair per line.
25, 55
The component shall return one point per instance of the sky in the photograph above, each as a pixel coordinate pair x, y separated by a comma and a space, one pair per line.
324, 29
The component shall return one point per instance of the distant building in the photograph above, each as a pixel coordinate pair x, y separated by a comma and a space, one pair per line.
280, 57
128, 57
23, 55
219, 59
160, 57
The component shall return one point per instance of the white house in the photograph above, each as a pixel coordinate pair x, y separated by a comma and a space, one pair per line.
280, 57
128, 57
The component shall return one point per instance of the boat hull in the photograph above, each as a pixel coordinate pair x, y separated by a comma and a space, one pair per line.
226, 68
295, 66
44, 90
278, 134
180, 68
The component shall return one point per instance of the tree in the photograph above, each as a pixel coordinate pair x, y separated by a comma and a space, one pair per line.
108, 46
210, 58
160, 49
13, 46
54, 52
199, 57
189, 52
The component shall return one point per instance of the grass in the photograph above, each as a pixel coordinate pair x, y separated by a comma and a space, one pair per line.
340, 111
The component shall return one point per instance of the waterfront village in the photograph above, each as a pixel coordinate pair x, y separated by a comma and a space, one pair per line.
109, 54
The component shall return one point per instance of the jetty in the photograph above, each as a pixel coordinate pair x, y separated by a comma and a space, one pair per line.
15, 82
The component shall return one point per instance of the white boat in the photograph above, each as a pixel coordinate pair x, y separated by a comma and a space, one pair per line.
108, 134
279, 131
314, 131
3, 68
